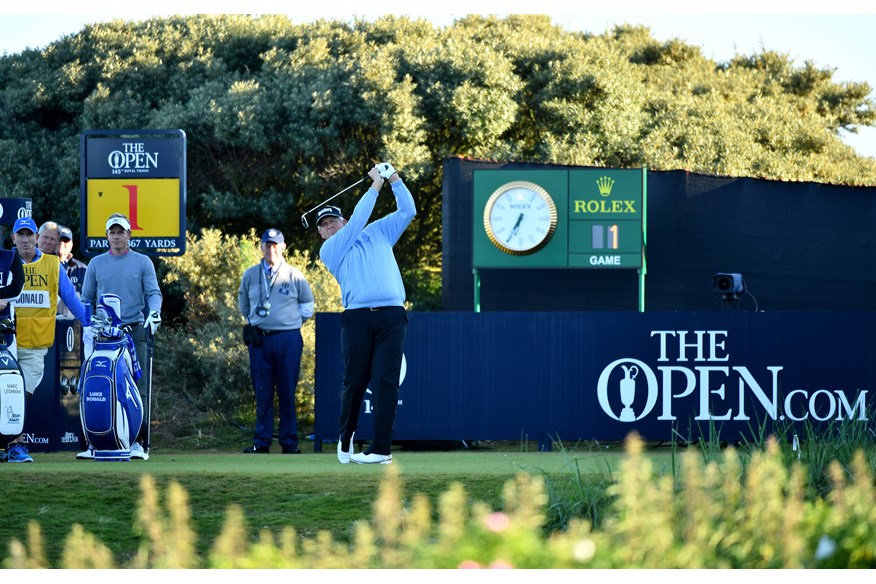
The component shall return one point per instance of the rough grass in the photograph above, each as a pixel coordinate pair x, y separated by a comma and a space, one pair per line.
310, 492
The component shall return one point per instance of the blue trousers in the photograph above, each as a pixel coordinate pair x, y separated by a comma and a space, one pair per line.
274, 368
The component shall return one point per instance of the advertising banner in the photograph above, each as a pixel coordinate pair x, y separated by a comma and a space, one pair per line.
684, 376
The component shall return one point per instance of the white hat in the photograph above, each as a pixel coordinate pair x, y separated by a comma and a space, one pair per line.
118, 221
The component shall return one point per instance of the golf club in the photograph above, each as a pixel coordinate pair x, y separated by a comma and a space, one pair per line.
304, 216
150, 354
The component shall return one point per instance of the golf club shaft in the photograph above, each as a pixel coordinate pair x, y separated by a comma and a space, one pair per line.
150, 345
338, 194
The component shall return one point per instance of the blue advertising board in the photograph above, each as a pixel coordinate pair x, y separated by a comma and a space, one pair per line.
14, 209
670, 376
52, 416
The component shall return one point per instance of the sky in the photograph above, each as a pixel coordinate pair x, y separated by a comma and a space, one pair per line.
840, 35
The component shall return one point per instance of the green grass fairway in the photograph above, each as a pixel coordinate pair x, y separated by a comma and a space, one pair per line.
310, 492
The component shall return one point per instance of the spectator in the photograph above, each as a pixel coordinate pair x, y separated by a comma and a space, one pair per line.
11, 281
49, 238
75, 268
275, 299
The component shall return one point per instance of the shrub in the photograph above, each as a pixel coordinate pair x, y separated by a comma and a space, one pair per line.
202, 385
712, 517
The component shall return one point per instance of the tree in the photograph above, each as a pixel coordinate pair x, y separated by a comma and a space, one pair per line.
279, 115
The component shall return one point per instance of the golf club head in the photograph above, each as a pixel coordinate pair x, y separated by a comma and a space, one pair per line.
304, 221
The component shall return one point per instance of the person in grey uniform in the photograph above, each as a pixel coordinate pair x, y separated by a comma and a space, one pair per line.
276, 300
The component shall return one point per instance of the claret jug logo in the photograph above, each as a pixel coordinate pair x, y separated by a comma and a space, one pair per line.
70, 339
694, 377
626, 388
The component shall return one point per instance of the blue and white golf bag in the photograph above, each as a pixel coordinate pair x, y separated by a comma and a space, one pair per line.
12, 393
110, 406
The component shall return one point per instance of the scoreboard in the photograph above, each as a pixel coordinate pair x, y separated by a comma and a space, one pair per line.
605, 219
583, 218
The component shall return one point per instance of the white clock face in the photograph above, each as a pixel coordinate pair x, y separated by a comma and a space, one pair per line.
520, 218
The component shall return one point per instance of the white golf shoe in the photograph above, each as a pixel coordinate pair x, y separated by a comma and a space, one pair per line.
344, 456
138, 452
372, 458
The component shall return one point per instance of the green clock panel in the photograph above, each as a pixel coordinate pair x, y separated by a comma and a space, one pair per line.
600, 218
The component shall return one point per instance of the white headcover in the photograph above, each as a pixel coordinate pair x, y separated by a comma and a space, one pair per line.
111, 305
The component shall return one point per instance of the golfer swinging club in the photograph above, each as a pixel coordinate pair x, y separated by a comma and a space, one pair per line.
374, 320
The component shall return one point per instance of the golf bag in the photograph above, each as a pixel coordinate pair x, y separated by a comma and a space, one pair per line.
12, 393
110, 406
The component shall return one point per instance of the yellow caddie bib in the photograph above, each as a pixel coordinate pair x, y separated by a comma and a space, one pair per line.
37, 305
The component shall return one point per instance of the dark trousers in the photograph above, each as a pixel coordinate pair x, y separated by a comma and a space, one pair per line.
372, 342
140, 337
274, 367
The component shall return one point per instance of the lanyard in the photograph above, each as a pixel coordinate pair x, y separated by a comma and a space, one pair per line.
265, 284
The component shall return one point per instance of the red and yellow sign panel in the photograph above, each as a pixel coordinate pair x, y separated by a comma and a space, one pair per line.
152, 205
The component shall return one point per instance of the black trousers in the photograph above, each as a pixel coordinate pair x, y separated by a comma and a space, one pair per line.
141, 343
372, 342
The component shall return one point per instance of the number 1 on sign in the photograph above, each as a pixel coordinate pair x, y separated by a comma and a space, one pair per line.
612, 237
132, 206
598, 237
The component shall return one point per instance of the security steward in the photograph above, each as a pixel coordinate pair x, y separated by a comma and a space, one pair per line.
276, 300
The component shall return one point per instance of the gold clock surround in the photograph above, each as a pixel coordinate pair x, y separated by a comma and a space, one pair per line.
540, 193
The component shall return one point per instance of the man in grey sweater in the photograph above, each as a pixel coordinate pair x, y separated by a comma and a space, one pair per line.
131, 276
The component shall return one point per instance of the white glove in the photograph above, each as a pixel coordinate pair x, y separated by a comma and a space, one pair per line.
386, 170
152, 322
87, 341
